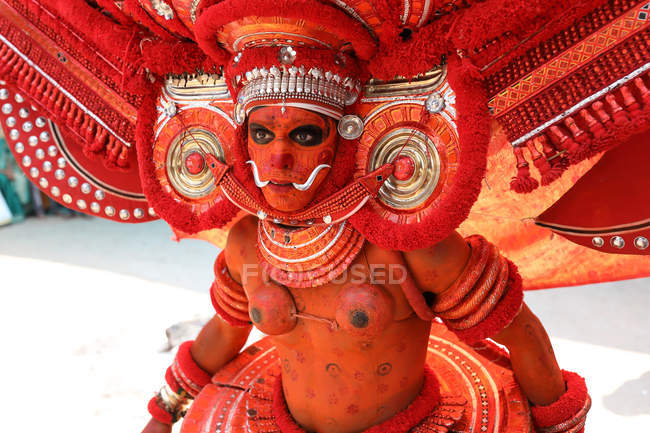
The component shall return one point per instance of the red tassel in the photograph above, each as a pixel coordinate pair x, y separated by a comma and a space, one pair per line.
548, 172
538, 159
618, 114
522, 183
567, 143
599, 109
629, 101
645, 93
58, 104
123, 159
558, 161
582, 140
593, 125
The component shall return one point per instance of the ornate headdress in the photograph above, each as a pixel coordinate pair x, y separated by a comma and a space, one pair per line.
410, 82
294, 54
321, 56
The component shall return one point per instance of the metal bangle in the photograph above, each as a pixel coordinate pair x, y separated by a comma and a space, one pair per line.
174, 403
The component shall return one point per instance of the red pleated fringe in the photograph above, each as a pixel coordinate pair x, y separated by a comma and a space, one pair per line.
398, 43
174, 57
596, 128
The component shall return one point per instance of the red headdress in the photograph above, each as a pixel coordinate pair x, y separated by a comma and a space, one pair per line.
146, 100
319, 56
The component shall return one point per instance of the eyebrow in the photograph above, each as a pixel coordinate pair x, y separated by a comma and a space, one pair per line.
327, 124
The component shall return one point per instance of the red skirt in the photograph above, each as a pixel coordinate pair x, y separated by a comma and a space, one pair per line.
478, 392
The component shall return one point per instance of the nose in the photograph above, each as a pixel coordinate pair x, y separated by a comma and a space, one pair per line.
282, 161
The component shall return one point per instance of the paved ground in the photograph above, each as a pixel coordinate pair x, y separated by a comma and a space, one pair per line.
86, 303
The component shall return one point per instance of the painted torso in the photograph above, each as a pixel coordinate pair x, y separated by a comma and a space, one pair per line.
355, 355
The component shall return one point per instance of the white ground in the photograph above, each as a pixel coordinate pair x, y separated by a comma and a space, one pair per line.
85, 304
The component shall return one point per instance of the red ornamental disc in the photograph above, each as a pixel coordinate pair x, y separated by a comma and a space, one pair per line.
237, 399
54, 160
194, 162
425, 150
183, 138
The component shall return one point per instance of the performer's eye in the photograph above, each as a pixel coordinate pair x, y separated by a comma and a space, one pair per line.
260, 134
307, 135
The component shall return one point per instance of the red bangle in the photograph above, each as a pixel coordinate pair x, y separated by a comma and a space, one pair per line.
187, 373
486, 297
568, 414
172, 382
158, 413
503, 313
228, 297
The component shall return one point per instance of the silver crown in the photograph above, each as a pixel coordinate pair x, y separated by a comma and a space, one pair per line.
293, 82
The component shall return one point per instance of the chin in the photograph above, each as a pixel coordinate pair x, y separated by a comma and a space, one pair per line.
289, 201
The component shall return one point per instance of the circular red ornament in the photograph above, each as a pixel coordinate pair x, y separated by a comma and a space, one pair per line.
404, 167
194, 162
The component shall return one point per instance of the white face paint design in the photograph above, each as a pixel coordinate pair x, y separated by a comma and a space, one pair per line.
312, 177
299, 186
256, 175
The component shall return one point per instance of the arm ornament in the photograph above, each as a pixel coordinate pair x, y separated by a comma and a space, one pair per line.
184, 380
485, 298
228, 296
569, 413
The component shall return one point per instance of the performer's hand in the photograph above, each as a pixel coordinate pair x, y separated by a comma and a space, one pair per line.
154, 426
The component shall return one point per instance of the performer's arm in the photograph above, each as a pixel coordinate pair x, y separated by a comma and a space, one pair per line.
532, 358
439, 271
222, 338
219, 341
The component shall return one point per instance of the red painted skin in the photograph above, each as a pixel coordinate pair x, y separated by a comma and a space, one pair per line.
283, 160
339, 379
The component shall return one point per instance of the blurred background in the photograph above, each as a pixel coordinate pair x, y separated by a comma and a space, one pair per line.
91, 310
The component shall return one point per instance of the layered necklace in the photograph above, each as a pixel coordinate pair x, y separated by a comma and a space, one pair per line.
306, 256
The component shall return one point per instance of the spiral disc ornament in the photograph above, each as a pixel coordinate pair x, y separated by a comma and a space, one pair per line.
184, 137
425, 151
417, 173
186, 168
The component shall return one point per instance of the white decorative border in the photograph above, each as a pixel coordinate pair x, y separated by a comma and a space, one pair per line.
581, 104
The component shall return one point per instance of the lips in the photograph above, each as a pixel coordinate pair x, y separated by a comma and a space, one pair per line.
279, 186
279, 183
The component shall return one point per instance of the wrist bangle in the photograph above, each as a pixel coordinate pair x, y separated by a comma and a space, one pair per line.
174, 403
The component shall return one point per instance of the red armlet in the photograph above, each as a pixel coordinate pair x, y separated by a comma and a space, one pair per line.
158, 413
191, 377
502, 315
228, 297
569, 412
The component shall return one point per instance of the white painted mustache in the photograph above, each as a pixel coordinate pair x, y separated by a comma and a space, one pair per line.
299, 186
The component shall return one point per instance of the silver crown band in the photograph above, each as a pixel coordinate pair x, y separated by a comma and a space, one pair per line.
295, 87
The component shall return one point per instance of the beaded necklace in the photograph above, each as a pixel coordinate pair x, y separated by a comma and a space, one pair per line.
306, 256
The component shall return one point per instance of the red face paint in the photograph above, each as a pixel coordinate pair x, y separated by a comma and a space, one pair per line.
286, 149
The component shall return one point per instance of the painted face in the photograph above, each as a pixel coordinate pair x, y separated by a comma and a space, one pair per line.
291, 154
